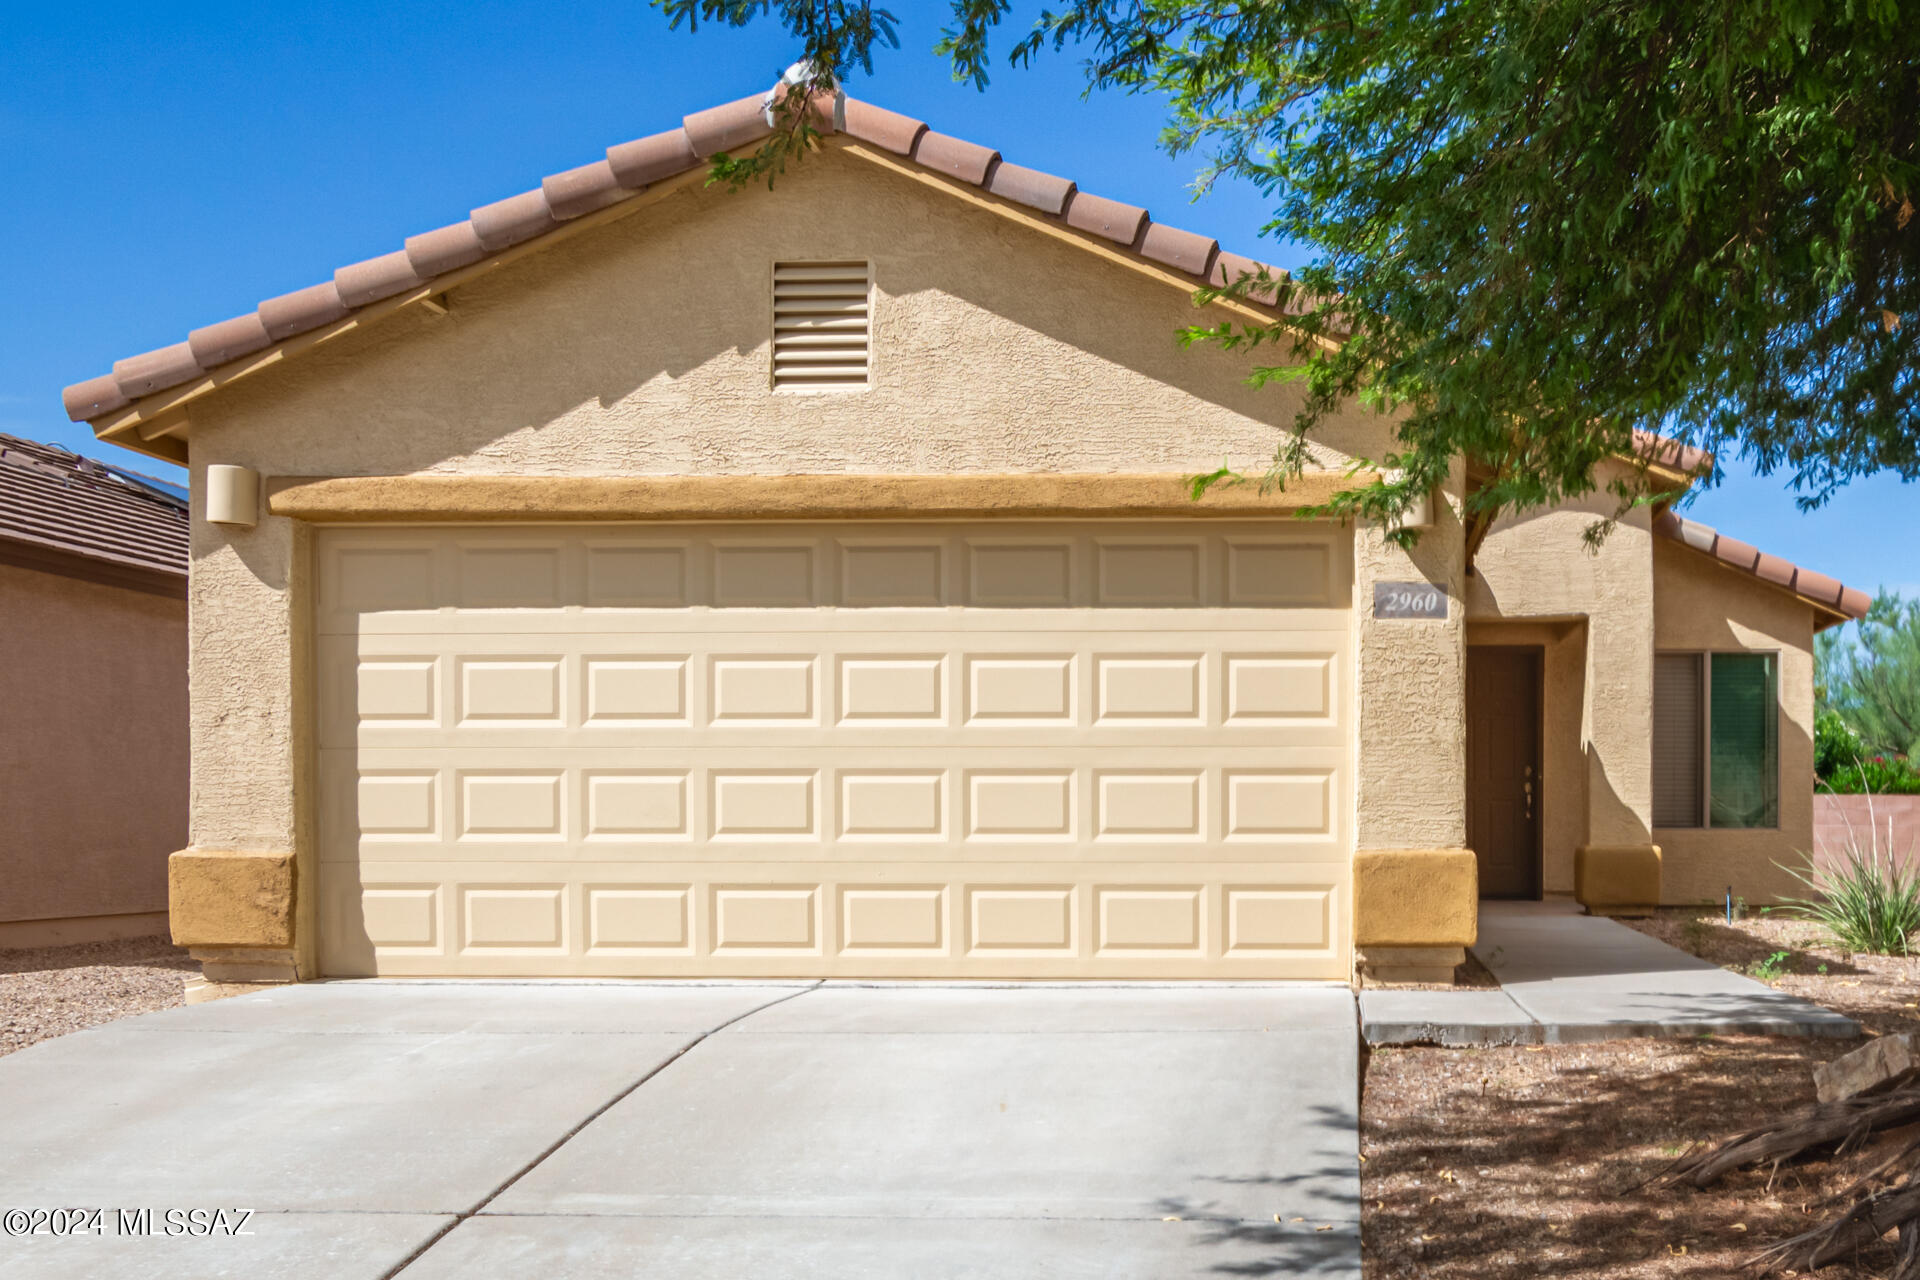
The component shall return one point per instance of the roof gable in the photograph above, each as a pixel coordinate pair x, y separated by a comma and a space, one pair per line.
142, 402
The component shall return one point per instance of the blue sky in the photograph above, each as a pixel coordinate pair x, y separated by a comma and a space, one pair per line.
171, 166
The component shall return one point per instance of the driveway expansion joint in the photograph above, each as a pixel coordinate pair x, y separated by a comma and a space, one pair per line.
619, 1097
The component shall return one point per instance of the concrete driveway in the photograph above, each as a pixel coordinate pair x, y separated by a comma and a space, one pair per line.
438, 1130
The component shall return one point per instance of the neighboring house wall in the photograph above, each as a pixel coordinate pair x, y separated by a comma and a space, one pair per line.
1701, 605
1877, 825
93, 751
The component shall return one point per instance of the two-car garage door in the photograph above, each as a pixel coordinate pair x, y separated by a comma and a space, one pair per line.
1048, 750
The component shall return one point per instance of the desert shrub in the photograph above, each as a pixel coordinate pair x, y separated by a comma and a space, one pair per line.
1874, 775
1868, 902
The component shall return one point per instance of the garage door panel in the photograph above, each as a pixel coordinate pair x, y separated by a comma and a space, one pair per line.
1044, 566
761, 919
683, 691
1037, 750
1100, 805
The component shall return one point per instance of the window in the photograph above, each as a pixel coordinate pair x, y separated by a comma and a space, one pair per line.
1716, 751
820, 325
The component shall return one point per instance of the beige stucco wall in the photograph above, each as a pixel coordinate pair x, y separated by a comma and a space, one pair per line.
640, 348
1702, 605
1535, 566
93, 746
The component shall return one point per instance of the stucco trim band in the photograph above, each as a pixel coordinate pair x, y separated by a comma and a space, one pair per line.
1618, 879
360, 499
1415, 898
227, 899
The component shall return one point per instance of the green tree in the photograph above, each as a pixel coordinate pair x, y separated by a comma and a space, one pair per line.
1874, 681
1536, 227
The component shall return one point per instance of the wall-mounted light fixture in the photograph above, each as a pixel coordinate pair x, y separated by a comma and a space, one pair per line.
1418, 514
233, 495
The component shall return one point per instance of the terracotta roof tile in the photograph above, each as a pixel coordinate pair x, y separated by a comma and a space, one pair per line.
956, 157
444, 249
649, 159
581, 191
1805, 583
886, 129
728, 126
53, 500
95, 396
1775, 570
169, 366
1027, 186
630, 167
1817, 586
301, 310
376, 278
229, 339
1120, 223
1664, 452
1181, 250
1736, 553
505, 223
1231, 268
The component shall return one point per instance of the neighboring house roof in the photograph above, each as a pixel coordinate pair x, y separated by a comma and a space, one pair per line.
1842, 601
62, 513
445, 256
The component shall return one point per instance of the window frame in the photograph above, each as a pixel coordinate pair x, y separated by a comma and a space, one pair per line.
1703, 820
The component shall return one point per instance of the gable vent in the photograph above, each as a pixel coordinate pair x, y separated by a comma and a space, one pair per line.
820, 325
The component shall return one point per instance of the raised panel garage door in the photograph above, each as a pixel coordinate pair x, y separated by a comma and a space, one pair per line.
980, 751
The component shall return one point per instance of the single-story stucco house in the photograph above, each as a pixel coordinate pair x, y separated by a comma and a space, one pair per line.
93, 696
647, 578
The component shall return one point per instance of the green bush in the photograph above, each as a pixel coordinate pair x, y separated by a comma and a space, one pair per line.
1875, 775
1835, 746
1869, 903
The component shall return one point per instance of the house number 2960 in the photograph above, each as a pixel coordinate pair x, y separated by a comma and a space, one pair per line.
1396, 600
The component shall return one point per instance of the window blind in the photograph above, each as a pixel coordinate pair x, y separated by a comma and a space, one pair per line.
1745, 773
1678, 754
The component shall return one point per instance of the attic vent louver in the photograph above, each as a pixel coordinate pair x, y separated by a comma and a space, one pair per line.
820, 325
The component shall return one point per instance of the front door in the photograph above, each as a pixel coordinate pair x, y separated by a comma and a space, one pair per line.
1503, 768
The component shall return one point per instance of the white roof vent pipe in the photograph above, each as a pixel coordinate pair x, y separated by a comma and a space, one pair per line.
798, 73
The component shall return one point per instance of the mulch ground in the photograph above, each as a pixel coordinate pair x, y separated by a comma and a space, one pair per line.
49, 991
1497, 1164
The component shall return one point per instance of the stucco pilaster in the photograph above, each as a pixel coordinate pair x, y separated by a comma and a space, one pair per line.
1410, 685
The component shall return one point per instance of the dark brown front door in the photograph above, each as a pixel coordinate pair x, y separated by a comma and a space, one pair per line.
1503, 768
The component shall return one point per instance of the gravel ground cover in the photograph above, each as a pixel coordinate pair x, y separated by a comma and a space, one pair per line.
49, 991
1497, 1164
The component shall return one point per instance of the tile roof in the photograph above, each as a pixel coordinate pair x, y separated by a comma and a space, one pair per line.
1834, 597
626, 171
56, 503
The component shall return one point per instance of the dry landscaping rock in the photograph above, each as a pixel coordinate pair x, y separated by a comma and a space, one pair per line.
50, 991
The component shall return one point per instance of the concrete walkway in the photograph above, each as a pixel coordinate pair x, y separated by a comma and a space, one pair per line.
1567, 978
564, 1130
